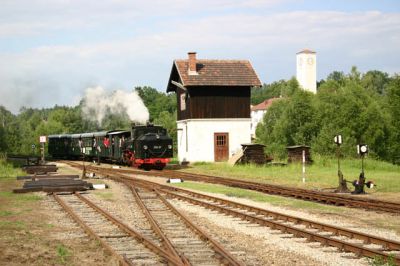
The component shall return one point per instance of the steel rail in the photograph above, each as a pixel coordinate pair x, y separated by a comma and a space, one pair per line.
133, 233
121, 259
219, 249
311, 236
335, 230
391, 244
357, 249
298, 193
367, 238
165, 241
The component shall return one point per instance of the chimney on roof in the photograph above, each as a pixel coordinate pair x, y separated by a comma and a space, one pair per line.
192, 63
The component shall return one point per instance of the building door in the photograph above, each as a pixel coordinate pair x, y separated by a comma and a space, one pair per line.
221, 147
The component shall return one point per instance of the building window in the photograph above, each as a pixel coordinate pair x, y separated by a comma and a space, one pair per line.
183, 101
221, 140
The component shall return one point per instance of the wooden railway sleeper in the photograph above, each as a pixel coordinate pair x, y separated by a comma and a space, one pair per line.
147, 242
217, 247
167, 244
311, 236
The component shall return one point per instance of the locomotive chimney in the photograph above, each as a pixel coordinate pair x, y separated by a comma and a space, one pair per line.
192, 63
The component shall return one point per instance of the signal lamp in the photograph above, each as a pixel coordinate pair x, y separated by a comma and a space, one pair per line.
338, 139
362, 149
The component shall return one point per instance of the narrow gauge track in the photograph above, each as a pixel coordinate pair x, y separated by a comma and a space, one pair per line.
127, 245
298, 193
344, 239
196, 247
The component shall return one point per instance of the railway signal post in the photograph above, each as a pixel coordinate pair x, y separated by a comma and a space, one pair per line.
362, 150
42, 140
342, 182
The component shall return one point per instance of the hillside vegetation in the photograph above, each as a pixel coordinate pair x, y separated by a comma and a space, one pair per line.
363, 107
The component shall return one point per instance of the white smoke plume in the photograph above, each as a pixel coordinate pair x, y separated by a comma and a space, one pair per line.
98, 103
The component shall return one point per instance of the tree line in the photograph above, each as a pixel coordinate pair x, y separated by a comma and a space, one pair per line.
362, 107
19, 131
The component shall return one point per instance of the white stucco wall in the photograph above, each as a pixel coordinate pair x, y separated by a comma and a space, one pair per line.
196, 137
256, 117
306, 73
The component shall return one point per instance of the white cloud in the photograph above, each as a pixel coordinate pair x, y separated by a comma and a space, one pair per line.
341, 39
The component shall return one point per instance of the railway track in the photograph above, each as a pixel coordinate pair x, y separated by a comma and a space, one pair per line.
298, 193
191, 242
344, 239
127, 245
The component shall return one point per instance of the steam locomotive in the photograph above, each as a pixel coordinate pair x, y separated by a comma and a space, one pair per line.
144, 146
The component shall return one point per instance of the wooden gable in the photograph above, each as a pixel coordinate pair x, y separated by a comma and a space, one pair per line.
212, 88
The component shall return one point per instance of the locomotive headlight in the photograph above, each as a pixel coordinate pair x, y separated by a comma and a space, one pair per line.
169, 146
145, 147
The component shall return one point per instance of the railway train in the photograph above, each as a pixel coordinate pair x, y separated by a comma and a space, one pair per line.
144, 146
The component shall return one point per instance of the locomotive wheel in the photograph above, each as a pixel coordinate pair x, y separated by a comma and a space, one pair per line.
146, 167
159, 167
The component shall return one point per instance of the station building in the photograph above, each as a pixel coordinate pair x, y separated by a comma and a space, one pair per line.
213, 114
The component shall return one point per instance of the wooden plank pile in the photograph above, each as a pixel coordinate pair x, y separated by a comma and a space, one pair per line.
295, 153
39, 177
40, 169
42, 181
253, 153
54, 184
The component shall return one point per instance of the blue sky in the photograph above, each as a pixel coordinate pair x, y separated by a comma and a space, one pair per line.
52, 50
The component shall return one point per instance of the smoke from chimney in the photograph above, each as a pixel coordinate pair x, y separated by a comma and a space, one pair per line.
98, 103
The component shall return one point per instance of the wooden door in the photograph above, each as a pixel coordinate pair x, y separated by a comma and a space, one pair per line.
221, 147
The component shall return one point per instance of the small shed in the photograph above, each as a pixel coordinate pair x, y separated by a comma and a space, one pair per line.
253, 153
295, 153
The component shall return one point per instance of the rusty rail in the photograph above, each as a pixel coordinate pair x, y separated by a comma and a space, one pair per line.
131, 232
167, 244
298, 193
224, 254
342, 245
121, 259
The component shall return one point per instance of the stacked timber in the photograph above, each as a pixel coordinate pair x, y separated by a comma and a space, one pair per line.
295, 153
40, 169
253, 153
38, 177
54, 184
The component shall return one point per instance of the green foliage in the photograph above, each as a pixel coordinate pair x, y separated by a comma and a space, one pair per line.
364, 108
156, 101
274, 90
393, 107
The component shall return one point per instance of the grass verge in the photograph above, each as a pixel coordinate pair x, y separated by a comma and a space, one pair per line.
321, 174
259, 197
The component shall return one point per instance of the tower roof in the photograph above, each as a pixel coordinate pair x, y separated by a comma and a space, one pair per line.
306, 51
206, 72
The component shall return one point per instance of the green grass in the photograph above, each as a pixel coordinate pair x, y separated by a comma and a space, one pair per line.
257, 196
12, 225
63, 253
15, 197
321, 174
104, 195
7, 171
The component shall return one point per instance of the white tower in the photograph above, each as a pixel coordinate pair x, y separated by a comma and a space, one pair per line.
306, 61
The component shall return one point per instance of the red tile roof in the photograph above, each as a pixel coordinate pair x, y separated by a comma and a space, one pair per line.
218, 73
264, 105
